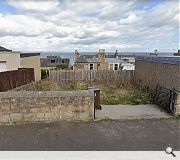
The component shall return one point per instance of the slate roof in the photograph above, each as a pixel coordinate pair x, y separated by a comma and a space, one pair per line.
81, 59
87, 58
92, 60
4, 49
114, 60
90, 55
23, 55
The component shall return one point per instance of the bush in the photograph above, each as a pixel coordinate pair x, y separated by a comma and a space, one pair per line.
62, 66
44, 73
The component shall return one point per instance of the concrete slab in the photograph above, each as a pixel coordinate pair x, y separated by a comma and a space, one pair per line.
131, 112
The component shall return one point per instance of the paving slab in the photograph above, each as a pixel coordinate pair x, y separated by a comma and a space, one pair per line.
131, 112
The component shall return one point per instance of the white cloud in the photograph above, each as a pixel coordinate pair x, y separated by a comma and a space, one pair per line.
132, 18
90, 25
22, 25
35, 5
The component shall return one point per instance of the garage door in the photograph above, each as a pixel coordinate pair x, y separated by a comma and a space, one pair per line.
3, 66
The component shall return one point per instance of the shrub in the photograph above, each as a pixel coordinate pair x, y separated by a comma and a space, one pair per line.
62, 66
44, 73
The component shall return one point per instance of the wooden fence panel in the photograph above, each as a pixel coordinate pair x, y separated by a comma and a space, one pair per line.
89, 76
15, 78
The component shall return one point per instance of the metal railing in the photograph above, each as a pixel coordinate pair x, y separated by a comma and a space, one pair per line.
165, 98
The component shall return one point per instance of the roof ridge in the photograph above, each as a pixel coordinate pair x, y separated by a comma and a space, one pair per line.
4, 49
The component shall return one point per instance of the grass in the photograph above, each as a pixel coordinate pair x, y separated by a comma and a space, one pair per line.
177, 117
129, 95
110, 95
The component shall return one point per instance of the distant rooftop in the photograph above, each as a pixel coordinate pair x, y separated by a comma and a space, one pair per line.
114, 60
23, 55
4, 49
168, 60
56, 57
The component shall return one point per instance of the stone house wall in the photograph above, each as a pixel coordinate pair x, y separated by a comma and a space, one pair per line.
81, 66
45, 106
96, 66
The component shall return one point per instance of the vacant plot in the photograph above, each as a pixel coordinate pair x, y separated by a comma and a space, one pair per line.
110, 95
124, 95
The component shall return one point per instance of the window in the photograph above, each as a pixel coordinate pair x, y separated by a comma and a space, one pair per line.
115, 66
91, 66
53, 61
86, 67
63, 61
3, 66
120, 67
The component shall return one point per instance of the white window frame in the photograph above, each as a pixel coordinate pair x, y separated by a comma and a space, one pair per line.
90, 66
114, 66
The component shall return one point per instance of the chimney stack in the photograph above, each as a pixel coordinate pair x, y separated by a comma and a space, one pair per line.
76, 55
101, 55
116, 54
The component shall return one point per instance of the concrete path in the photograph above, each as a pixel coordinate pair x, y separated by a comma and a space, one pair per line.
122, 135
131, 112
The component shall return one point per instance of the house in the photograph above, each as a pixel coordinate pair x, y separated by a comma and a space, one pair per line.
178, 53
114, 63
82, 62
54, 61
101, 61
128, 66
12, 60
31, 60
9, 60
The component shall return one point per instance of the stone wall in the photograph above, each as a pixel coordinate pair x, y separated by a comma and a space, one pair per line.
45, 106
81, 66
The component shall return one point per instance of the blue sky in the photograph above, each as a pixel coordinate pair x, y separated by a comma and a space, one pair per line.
66, 25
5, 8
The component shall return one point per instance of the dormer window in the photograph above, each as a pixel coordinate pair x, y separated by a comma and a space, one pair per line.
53, 61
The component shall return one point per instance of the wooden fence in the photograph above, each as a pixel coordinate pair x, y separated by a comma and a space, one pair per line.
15, 78
90, 76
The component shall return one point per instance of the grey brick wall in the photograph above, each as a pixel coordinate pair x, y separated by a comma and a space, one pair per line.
177, 103
34, 106
149, 73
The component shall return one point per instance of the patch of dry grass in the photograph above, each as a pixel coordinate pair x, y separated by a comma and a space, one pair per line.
110, 94
124, 95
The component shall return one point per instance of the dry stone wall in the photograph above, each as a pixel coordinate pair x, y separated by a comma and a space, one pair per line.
34, 106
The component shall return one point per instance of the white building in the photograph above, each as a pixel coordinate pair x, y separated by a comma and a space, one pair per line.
119, 64
128, 66
9, 60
